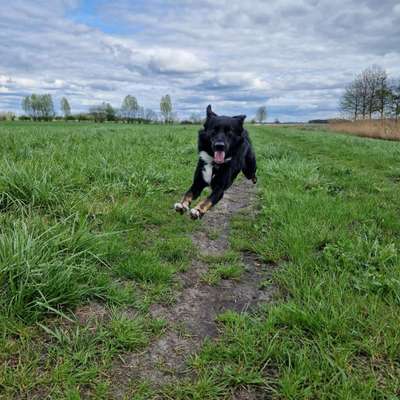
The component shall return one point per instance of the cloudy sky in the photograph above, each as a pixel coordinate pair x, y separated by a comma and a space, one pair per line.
295, 56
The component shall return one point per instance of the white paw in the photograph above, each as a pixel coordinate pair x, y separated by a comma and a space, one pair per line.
181, 208
195, 214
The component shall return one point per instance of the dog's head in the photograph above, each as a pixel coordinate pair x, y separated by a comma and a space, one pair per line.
223, 134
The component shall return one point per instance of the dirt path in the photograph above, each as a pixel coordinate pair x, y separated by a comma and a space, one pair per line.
192, 318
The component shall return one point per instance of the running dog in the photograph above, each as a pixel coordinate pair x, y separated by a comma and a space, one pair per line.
224, 151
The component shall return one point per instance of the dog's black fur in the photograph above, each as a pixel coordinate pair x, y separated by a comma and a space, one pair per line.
225, 150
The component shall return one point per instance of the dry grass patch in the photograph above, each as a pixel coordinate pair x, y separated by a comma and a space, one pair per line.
379, 129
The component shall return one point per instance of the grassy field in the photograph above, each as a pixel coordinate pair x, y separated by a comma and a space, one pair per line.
87, 230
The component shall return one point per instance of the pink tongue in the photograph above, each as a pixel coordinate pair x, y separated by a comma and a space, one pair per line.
219, 157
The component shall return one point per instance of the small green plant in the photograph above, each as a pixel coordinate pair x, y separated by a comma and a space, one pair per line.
146, 267
222, 271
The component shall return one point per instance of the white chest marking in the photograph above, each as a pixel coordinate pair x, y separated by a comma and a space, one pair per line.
208, 168
207, 172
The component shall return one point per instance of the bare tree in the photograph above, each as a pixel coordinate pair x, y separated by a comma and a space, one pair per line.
367, 95
166, 108
129, 108
261, 114
377, 94
65, 107
383, 93
47, 107
394, 105
362, 85
110, 112
350, 102
26, 105
371, 80
39, 107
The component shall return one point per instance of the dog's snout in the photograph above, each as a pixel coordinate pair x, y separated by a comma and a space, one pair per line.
219, 146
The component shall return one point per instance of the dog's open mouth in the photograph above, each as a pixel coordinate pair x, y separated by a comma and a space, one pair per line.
219, 157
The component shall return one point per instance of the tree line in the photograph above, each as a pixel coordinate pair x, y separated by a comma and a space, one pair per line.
372, 94
41, 108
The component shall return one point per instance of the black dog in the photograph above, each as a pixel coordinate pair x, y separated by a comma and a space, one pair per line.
224, 150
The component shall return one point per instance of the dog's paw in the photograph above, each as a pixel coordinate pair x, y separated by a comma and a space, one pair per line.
254, 179
181, 208
195, 213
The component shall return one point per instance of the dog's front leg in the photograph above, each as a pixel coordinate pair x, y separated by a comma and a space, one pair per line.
184, 204
201, 208
193, 193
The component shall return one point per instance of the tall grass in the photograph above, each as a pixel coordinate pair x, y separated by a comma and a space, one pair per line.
44, 269
379, 129
75, 198
30, 184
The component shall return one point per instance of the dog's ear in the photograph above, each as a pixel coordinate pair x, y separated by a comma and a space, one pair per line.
210, 113
239, 121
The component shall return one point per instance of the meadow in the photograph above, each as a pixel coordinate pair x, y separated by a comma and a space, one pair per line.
89, 242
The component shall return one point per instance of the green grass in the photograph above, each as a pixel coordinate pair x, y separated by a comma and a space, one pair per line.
85, 216
223, 266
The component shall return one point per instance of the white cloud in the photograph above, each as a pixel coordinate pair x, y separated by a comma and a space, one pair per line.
294, 56
174, 61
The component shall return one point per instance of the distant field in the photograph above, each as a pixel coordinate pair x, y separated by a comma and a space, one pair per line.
379, 129
89, 242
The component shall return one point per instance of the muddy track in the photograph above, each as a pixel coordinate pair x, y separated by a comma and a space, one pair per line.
192, 318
